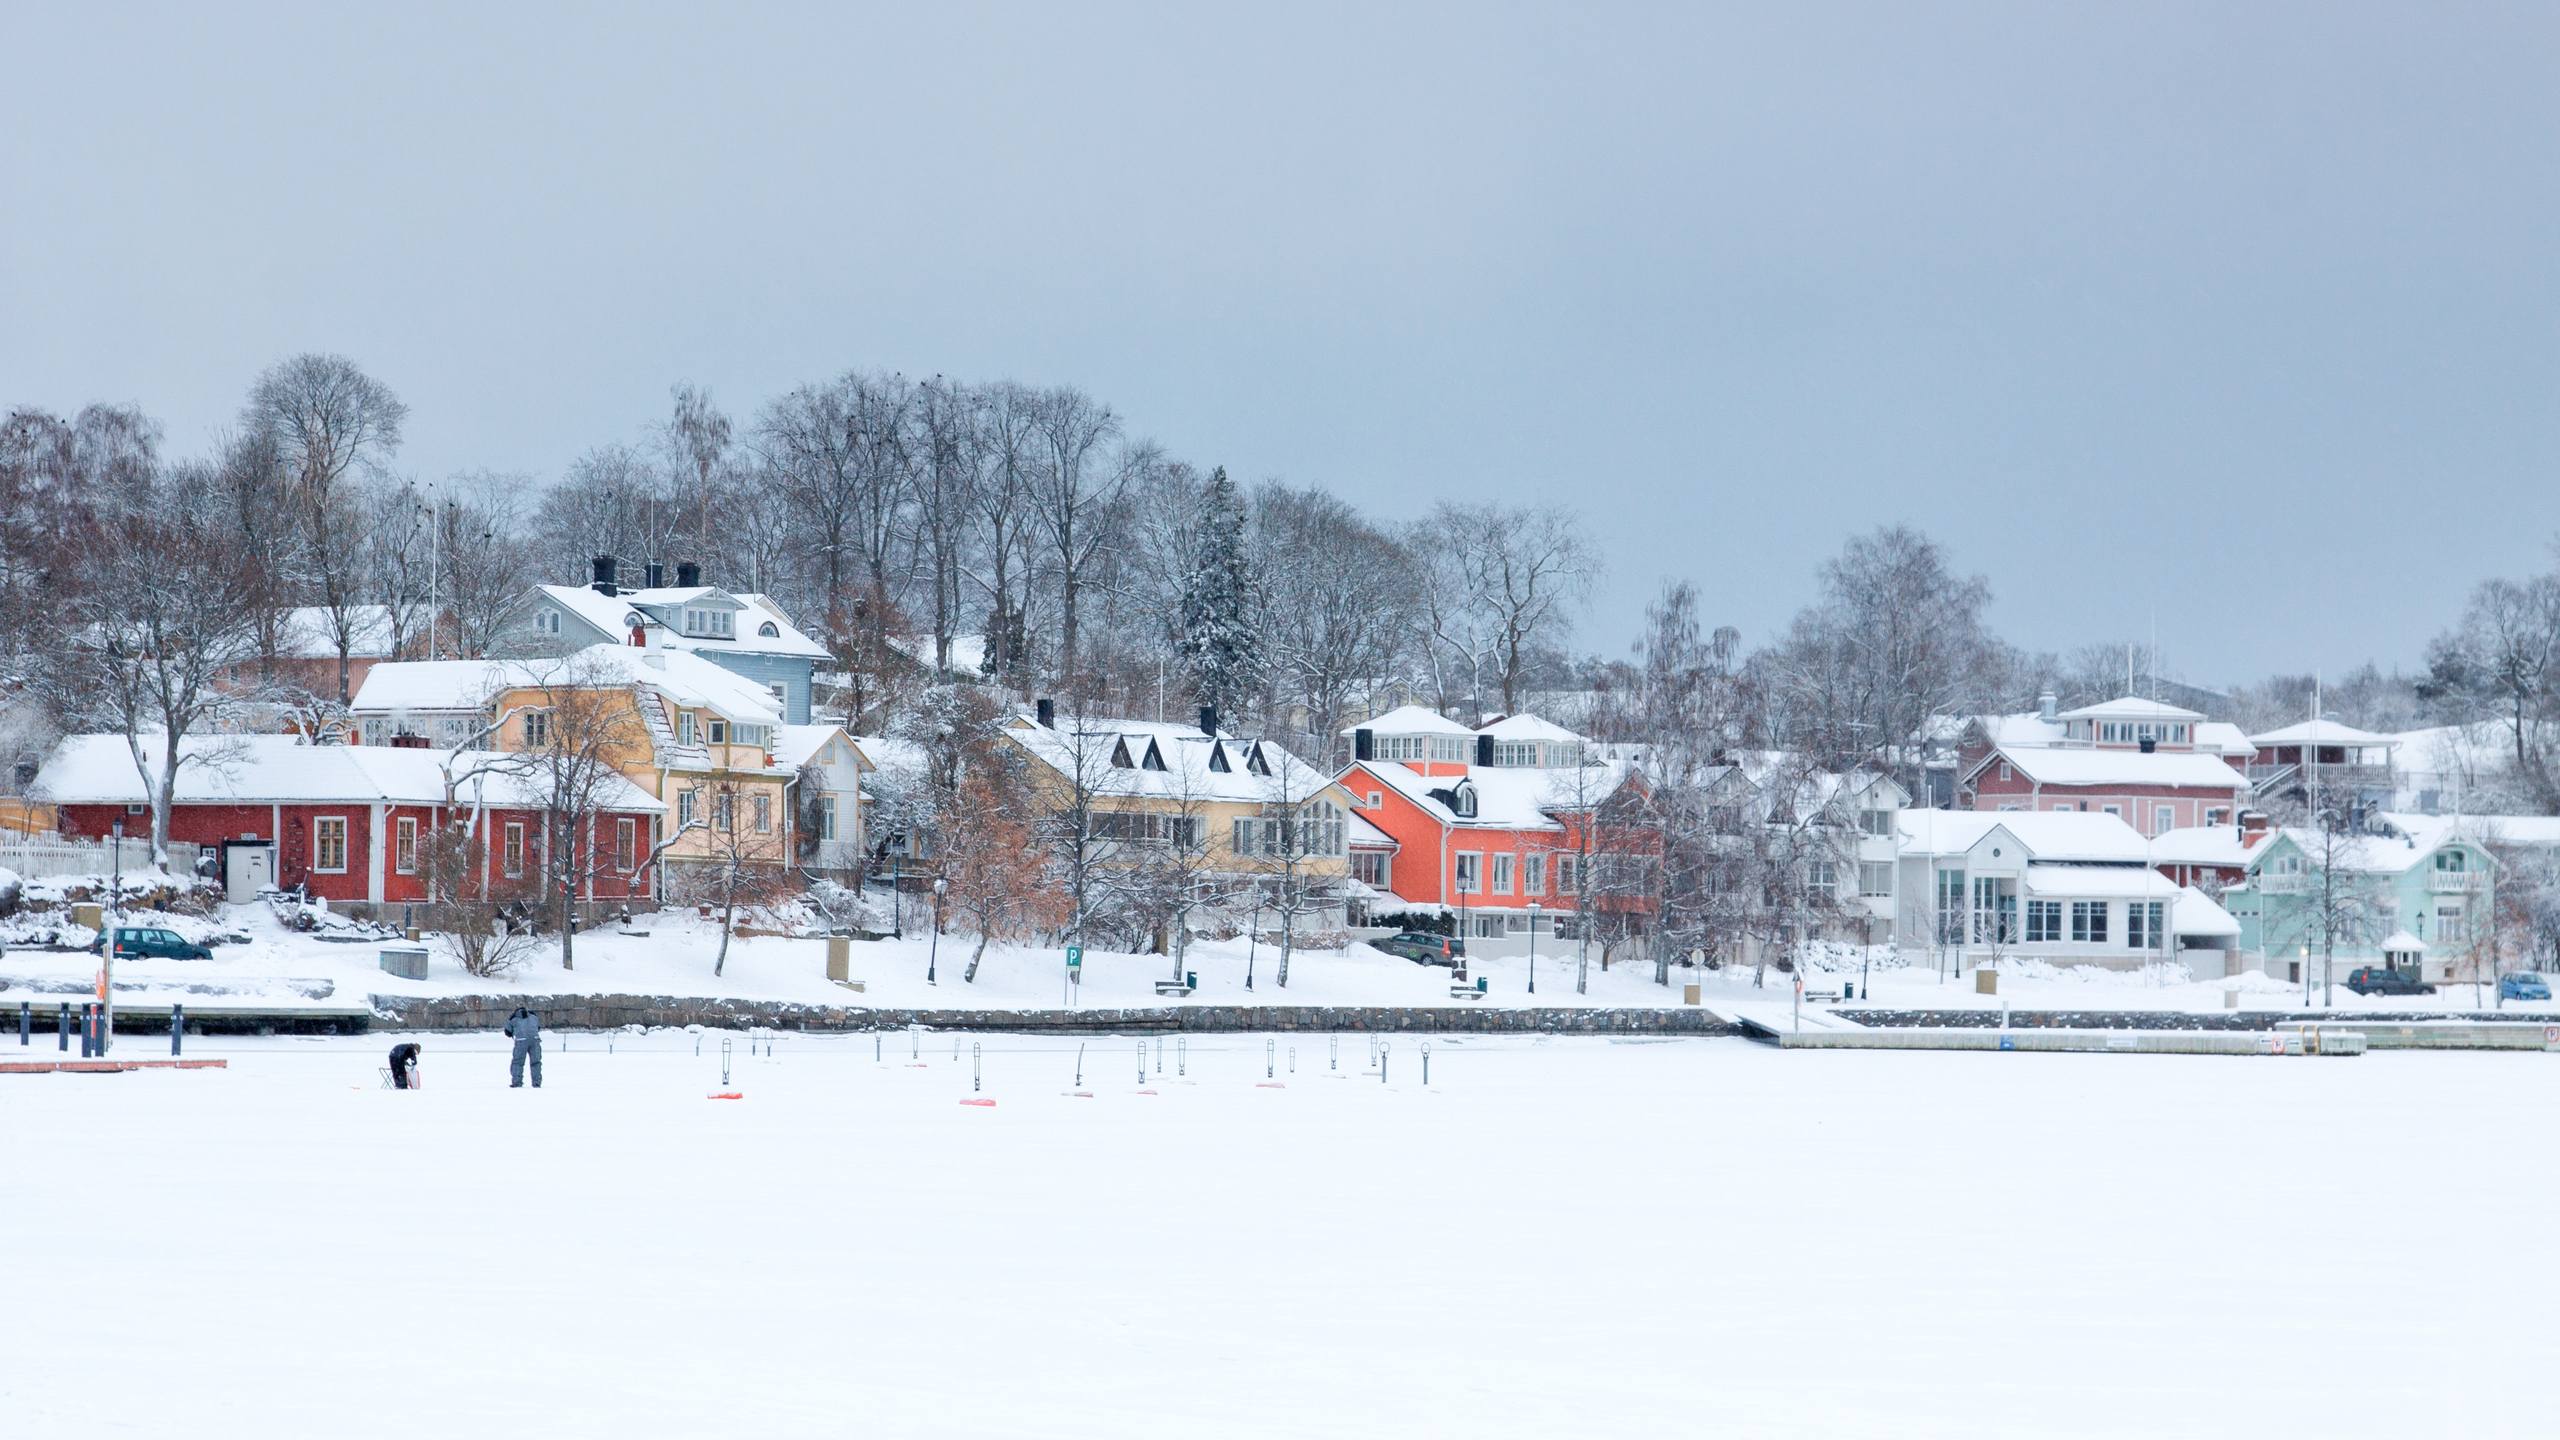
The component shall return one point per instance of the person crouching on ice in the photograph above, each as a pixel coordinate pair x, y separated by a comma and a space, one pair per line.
525, 1028
404, 1065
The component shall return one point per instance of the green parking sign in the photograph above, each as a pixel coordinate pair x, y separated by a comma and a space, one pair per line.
1075, 957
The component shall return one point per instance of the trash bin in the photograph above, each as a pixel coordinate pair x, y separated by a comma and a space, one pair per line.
839, 957
1480, 984
1191, 978
2230, 999
1986, 981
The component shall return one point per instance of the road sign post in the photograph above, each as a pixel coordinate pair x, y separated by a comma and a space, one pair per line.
1075, 973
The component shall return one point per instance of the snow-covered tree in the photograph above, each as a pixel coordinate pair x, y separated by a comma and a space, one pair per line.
1218, 640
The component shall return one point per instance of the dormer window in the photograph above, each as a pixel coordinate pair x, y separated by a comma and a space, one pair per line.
1218, 759
684, 727
1463, 801
769, 630
1154, 760
1254, 763
710, 623
1120, 756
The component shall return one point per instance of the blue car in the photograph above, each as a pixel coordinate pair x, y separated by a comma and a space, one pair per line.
2524, 986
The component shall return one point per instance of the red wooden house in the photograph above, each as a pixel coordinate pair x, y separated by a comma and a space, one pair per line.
350, 823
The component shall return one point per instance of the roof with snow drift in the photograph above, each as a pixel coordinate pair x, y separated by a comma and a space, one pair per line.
756, 614
2182, 769
448, 685
1145, 759
282, 769
1410, 720
2048, 835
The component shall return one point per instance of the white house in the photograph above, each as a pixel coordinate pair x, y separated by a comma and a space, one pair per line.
2067, 887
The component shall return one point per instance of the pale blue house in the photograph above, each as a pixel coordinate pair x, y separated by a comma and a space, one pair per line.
2419, 898
744, 633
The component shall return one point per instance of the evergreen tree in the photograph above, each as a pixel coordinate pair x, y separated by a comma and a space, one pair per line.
1217, 625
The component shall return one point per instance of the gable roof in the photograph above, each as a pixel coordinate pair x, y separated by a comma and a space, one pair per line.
281, 769
2376, 854
797, 745
1506, 799
2324, 732
2047, 835
2131, 707
1184, 751
2182, 769
1410, 720
606, 614
686, 679
1525, 727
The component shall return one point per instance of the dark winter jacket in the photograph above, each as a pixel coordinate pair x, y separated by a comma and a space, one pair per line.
524, 1025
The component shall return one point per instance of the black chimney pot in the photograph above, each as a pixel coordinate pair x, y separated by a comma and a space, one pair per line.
657, 574
2149, 745
1484, 751
603, 582
688, 574
1364, 745
1209, 721
1046, 710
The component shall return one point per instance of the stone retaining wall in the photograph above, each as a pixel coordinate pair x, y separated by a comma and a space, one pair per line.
2151, 1019
606, 1012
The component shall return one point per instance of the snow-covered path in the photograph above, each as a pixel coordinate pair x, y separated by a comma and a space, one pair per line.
1553, 1238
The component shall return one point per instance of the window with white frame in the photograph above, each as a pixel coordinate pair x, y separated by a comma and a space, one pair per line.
724, 812
2164, 818
2089, 922
1397, 747
537, 729
781, 694
404, 845
1377, 801
1568, 874
1470, 872
1821, 877
511, 854
684, 727
1449, 747
2453, 925
1533, 875
710, 622
329, 844
1875, 878
764, 814
826, 817
685, 806
2142, 925
2044, 922
1878, 823
548, 621
626, 844
1369, 867
1502, 868
718, 732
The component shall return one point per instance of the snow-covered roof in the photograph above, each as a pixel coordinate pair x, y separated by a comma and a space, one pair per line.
2204, 845
2404, 941
2099, 882
1506, 799
1363, 835
1088, 744
2324, 732
2201, 914
308, 632
2221, 737
2488, 831
686, 679
1525, 727
2381, 854
2030, 728
282, 769
797, 745
2131, 707
1410, 720
2050, 836
2184, 769
608, 612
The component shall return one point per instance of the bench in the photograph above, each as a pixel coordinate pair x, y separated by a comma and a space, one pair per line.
1467, 991
1823, 996
1172, 987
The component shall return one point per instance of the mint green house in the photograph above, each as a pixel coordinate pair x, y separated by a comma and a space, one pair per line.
2418, 898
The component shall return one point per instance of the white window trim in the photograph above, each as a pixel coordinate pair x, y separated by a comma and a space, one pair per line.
346, 843
514, 851
404, 835
1465, 861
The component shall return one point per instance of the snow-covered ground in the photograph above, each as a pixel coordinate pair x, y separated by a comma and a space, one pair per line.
276, 966
1552, 1238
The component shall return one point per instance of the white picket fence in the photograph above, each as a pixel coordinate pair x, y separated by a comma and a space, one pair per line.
35, 858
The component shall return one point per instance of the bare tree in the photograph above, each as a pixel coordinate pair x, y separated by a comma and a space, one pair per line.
1073, 482
327, 423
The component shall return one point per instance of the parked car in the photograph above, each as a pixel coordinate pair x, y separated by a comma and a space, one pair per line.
1424, 948
2524, 985
2376, 980
143, 942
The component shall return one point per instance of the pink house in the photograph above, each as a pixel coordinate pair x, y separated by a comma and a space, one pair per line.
2155, 766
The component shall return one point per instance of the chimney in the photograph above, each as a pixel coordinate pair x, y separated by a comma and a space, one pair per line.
1209, 721
2150, 745
603, 583
1046, 710
2047, 706
1484, 751
688, 575
2252, 823
1364, 744
657, 574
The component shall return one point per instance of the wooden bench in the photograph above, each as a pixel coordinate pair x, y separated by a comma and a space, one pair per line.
1465, 992
1823, 996
1172, 987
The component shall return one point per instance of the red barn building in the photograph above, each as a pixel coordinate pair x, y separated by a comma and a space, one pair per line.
350, 823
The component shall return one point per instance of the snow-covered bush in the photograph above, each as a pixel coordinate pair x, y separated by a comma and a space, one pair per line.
11, 890
476, 937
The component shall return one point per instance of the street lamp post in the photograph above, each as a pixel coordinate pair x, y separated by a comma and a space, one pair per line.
1533, 947
933, 951
897, 897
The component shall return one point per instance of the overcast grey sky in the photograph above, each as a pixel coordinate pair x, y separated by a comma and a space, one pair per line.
2239, 314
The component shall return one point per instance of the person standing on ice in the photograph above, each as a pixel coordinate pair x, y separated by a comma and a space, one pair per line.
525, 1028
404, 1065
